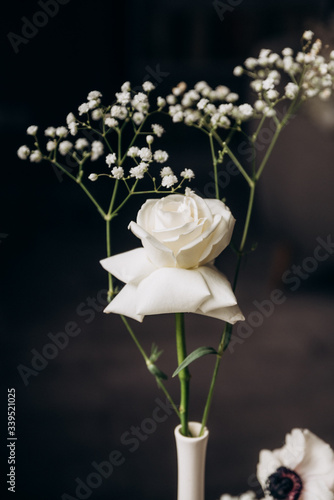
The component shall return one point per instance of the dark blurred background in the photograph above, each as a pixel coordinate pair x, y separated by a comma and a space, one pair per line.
73, 410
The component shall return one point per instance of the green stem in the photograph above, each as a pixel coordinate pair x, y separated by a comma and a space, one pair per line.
238, 164
215, 170
83, 187
147, 361
184, 375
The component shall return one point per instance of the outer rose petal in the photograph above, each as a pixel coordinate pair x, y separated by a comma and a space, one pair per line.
168, 290
125, 303
129, 267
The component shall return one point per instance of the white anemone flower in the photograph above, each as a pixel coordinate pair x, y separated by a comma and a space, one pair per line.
302, 469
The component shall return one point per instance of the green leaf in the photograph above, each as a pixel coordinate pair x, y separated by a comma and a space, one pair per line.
198, 353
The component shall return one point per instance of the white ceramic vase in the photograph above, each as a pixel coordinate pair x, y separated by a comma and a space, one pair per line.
191, 453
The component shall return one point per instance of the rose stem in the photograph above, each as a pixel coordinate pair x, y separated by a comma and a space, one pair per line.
184, 374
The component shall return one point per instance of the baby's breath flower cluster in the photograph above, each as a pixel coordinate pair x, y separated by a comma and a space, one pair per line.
129, 108
309, 72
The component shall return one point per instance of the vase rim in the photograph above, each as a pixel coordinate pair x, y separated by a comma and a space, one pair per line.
195, 428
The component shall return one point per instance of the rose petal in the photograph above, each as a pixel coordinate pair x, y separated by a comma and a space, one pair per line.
221, 294
157, 253
129, 267
170, 290
125, 303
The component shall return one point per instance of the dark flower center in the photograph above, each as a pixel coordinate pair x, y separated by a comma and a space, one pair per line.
284, 484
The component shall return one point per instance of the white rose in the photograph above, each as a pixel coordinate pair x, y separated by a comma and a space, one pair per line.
303, 468
174, 271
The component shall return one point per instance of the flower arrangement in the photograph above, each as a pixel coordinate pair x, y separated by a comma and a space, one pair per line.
182, 233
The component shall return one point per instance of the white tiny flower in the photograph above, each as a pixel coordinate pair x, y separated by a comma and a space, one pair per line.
149, 139
331, 55
139, 171
97, 114
222, 91
93, 177
161, 102
73, 128
81, 144
117, 172
202, 87
245, 111
83, 108
157, 129
97, 150
268, 84
111, 122
166, 171
140, 102
32, 130
291, 90
202, 103
225, 109
119, 112
287, 52
232, 97
250, 63
145, 154
126, 87
269, 112
148, 86
123, 97
178, 117
61, 131
300, 57
111, 158
138, 117
133, 151
238, 71
224, 122
308, 35
171, 99
93, 103
36, 156
187, 173
50, 132
169, 180
272, 95
256, 85
94, 95
273, 58
51, 145
65, 147
23, 152
259, 105
179, 89
160, 156
70, 118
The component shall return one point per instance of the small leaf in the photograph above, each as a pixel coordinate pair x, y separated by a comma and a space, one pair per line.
198, 353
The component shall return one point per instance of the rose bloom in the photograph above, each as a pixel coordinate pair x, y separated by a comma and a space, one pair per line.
174, 271
302, 469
